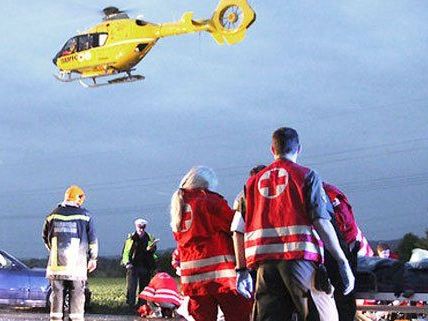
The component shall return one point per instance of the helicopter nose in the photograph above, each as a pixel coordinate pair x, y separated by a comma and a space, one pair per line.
55, 59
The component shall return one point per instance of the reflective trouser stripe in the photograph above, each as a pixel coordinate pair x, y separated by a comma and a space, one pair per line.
209, 276
56, 315
206, 262
54, 252
76, 316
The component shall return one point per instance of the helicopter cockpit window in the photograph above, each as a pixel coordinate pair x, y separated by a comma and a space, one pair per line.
70, 47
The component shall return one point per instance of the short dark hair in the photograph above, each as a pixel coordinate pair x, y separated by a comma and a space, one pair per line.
285, 140
256, 169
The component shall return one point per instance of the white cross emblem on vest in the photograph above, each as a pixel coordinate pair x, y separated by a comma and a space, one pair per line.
273, 182
186, 219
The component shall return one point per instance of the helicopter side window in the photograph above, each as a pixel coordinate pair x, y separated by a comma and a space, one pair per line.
89, 41
85, 42
102, 38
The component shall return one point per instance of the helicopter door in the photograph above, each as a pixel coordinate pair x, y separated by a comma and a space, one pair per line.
99, 40
85, 44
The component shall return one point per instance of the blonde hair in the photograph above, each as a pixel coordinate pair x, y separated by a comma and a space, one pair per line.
196, 177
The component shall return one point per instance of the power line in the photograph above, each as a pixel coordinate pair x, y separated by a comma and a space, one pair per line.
152, 181
372, 184
103, 212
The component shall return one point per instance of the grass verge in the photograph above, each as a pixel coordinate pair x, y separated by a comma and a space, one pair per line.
108, 296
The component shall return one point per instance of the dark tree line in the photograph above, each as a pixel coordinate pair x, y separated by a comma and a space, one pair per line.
409, 242
110, 266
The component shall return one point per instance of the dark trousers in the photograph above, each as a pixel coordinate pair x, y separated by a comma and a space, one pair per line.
284, 287
279, 291
136, 276
76, 291
346, 304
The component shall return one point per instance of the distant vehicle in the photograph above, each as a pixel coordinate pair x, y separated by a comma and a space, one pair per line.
117, 44
21, 286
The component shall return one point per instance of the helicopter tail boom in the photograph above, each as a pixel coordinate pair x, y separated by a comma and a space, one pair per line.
185, 25
228, 24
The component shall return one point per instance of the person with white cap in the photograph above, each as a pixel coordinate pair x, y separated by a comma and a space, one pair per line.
139, 259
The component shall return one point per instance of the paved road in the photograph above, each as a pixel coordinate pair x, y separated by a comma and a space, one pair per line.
17, 315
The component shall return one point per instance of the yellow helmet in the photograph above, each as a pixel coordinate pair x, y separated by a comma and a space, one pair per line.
74, 194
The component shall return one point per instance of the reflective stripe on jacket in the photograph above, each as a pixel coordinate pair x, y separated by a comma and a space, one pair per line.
69, 235
162, 289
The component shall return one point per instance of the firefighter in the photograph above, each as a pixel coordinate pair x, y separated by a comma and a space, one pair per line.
69, 235
286, 210
200, 221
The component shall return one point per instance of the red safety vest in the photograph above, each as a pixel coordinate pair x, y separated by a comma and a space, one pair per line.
342, 213
207, 259
277, 226
162, 289
345, 219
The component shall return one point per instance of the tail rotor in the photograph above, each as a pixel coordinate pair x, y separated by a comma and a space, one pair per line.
231, 20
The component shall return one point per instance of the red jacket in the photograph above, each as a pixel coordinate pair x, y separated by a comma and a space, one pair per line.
162, 289
342, 213
207, 259
277, 225
345, 219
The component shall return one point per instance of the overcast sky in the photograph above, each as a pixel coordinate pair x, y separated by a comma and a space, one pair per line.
350, 76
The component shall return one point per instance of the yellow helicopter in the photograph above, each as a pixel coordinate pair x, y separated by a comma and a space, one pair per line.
117, 44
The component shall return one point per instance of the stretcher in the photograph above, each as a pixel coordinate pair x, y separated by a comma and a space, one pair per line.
392, 286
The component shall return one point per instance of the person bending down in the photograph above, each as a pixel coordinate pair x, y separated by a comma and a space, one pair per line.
161, 295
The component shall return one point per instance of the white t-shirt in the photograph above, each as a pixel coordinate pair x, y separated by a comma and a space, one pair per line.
238, 224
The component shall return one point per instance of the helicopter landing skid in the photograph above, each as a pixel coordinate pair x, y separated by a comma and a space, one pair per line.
65, 77
120, 80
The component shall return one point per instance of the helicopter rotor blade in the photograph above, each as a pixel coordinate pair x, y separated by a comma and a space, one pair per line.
111, 10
